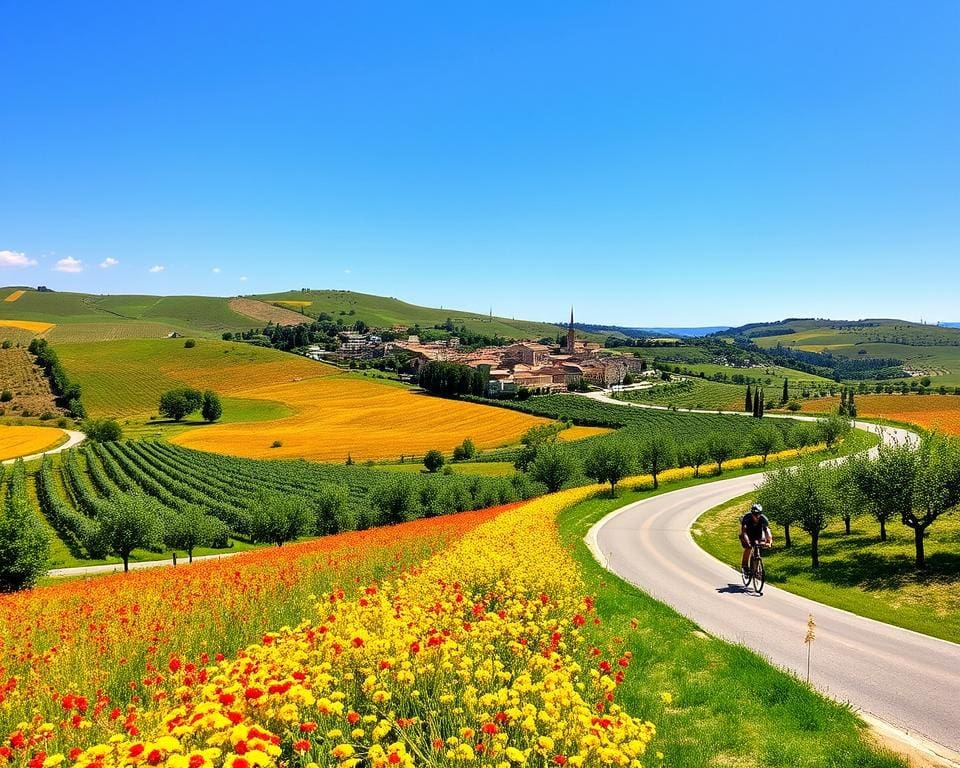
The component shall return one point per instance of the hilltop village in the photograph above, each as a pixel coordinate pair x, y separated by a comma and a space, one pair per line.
529, 364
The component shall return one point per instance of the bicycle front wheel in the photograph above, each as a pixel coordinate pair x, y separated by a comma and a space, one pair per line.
758, 576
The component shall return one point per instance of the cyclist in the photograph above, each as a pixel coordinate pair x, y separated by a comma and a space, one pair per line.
754, 527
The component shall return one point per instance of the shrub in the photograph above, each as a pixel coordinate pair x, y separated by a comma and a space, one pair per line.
46, 416
179, 402
102, 430
433, 460
793, 405
190, 343
212, 408
6, 396
277, 444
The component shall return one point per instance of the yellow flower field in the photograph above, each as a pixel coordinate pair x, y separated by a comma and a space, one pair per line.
27, 325
480, 656
23, 441
368, 420
579, 433
14, 296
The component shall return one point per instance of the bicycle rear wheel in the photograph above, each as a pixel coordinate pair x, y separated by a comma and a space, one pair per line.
759, 577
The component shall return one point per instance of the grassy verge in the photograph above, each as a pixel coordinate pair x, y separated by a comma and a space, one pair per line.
727, 706
858, 572
60, 556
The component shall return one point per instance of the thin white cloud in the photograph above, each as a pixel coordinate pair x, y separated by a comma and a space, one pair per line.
68, 264
216, 270
16, 259
346, 271
243, 278
109, 262
156, 268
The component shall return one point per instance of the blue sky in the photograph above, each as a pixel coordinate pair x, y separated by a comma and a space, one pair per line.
705, 163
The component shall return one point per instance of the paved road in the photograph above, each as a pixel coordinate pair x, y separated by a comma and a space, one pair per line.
906, 679
96, 570
73, 438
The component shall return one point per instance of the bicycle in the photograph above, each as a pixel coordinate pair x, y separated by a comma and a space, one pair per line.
755, 573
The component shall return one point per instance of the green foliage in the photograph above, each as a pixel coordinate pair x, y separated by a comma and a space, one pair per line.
192, 528
396, 501
465, 451
433, 460
720, 448
552, 465
443, 378
127, 523
609, 461
765, 441
179, 402
211, 408
102, 430
694, 454
332, 511
275, 518
67, 391
190, 343
24, 545
832, 429
802, 435
6, 396
657, 453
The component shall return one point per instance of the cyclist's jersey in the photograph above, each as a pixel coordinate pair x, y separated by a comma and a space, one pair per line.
756, 528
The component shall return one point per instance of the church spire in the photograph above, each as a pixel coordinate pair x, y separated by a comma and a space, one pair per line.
571, 334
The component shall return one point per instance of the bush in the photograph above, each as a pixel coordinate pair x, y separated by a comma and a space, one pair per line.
102, 430
179, 402
190, 343
212, 408
793, 405
277, 444
6, 396
433, 460
7, 343
276, 518
62, 423
46, 416
466, 450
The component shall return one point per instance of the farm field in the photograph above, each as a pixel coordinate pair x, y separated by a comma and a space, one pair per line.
935, 412
858, 572
25, 382
22, 441
263, 312
475, 468
15, 295
33, 327
341, 416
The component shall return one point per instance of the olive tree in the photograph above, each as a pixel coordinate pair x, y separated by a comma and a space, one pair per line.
609, 461
553, 466
765, 440
657, 453
191, 527
129, 522
277, 518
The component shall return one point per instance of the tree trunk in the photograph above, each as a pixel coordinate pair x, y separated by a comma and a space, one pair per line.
786, 536
883, 530
814, 548
190, 555
613, 489
846, 524
918, 542
655, 483
126, 562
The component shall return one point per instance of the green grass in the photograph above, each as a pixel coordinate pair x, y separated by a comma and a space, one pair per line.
60, 556
235, 410
729, 707
858, 572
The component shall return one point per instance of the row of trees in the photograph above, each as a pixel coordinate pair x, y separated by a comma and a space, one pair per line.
913, 482
448, 379
67, 392
182, 401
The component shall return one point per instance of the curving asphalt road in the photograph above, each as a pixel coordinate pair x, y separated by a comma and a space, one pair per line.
73, 438
906, 679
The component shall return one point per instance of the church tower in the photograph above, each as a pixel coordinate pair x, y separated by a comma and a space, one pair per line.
571, 335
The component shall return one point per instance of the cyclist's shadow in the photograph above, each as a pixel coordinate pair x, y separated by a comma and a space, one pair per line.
735, 589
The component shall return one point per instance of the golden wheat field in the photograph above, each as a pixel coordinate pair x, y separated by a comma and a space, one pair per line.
14, 296
367, 420
27, 325
940, 412
23, 441
579, 433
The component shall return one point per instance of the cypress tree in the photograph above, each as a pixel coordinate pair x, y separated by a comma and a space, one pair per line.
748, 401
759, 400
851, 407
786, 393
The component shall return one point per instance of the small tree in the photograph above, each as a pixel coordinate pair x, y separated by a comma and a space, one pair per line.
721, 449
102, 430
802, 436
396, 500
553, 466
609, 461
833, 429
24, 546
211, 408
765, 440
885, 485
277, 518
936, 487
694, 455
179, 402
190, 343
191, 528
129, 522
433, 460
332, 509
774, 496
466, 450
785, 396
657, 453
748, 400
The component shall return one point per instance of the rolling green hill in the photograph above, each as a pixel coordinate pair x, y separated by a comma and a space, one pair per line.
381, 311
924, 349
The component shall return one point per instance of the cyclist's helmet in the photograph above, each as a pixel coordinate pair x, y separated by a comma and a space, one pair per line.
756, 509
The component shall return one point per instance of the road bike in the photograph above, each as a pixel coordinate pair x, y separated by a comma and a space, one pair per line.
755, 573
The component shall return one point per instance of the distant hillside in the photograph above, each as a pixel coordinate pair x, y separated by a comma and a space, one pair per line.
869, 348
640, 333
384, 312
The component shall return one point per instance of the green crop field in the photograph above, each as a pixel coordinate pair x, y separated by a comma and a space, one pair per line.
381, 311
704, 394
67, 490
